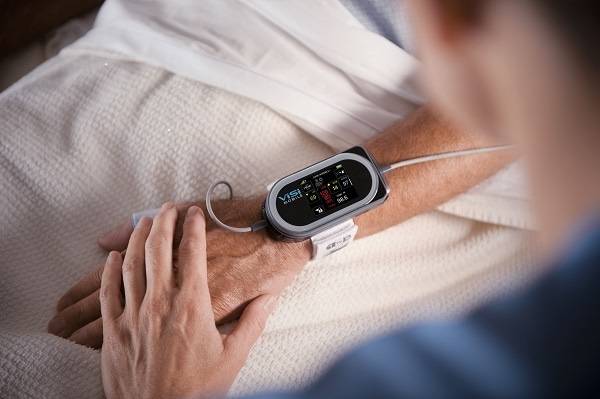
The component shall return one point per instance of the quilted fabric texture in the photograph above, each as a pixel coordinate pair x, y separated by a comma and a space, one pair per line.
85, 141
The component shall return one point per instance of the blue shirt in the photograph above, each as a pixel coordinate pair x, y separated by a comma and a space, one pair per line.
387, 18
541, 342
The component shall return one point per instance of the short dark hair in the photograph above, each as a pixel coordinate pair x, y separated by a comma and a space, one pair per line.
577, 20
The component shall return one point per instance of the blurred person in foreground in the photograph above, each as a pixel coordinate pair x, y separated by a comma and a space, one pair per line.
526, 70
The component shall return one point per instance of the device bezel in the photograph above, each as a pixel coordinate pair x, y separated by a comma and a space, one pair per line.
377, 195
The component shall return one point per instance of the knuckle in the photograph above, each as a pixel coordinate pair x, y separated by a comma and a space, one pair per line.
187, 309
115, 333
105, 292
95, 304
154, 265
157, 240
80, 310
130, 266
191, 287
187, 251
97, 274
157, 305
130, 320
132, 261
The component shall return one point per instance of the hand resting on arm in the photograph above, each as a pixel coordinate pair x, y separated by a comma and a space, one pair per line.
161, 341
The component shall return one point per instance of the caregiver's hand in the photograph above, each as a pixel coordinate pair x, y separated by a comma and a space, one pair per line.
161, 342
240, 267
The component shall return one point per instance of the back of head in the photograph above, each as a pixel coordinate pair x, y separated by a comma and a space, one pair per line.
577, 21
526, 71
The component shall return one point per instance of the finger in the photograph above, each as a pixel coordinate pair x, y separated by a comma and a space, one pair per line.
110, 289
89, 335
159, 250
84, 287
250, 327
134, 272
76, 316
117, 238
182, 209
192, 253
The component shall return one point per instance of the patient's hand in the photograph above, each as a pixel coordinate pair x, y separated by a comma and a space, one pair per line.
240, 267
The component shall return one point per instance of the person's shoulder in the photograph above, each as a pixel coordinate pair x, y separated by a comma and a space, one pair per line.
574, 276
539, 342
553, 322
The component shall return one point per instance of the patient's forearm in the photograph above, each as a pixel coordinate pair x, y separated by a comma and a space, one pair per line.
244, 266
419, 188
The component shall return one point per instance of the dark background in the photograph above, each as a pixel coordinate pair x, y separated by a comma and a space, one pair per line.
22, 21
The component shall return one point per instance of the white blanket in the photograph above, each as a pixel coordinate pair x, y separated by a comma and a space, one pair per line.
84, 141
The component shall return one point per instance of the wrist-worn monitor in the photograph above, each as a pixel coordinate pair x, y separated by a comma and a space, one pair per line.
325, 194
319, 201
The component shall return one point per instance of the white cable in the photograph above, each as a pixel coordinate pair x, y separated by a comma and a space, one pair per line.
444, 155
261, 224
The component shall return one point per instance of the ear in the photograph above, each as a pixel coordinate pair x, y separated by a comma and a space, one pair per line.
448, 42
444, 21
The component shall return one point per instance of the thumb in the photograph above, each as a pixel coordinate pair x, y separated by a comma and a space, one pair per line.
250, 326
117, 238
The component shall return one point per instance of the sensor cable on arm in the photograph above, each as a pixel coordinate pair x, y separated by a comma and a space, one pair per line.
444, 155
259, 225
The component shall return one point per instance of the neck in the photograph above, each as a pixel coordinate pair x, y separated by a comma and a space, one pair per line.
564, 169
541, 97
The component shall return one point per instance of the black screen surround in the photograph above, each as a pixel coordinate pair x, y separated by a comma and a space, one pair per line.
328, 190
324, 194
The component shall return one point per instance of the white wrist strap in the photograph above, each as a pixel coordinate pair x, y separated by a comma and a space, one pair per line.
334, 239
331, 240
